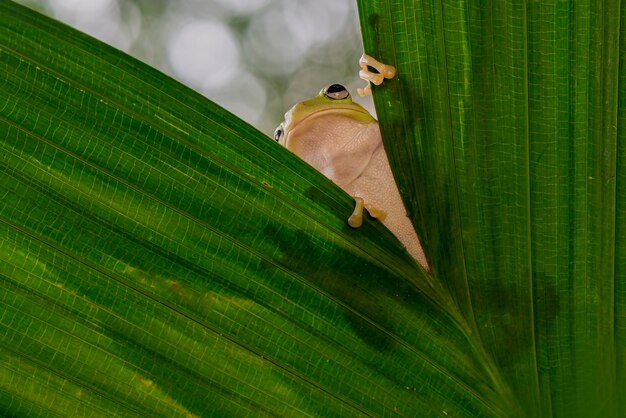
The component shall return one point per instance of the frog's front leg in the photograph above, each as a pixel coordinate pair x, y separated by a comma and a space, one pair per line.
356, 218
384, 71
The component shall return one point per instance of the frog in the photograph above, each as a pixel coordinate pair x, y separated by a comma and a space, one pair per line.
342, 140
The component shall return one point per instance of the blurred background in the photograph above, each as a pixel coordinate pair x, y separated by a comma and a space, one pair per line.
256, 58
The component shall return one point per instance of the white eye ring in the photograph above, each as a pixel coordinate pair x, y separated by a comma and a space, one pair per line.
336, 92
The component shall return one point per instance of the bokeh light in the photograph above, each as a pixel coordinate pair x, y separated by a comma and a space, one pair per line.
204, 54
255, 58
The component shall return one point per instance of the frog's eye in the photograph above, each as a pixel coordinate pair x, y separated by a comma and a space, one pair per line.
278, 133
336, 92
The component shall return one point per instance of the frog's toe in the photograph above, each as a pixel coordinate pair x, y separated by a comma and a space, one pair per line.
375, 213
376, 78
365, 91
356, 219
383, 71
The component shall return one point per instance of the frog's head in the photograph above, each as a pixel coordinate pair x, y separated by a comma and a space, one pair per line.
330, 132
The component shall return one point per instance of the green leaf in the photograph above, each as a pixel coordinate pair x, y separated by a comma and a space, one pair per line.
505, 128
160, 257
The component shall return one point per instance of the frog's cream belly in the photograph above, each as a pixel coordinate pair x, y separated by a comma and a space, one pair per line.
386, 198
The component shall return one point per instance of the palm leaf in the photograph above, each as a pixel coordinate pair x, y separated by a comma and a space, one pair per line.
159, 257
502, 126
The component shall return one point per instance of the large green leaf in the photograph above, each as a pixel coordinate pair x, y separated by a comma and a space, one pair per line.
503, 127
159, 257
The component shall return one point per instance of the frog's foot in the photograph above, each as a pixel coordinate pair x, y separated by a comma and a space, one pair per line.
384, 71
375, 213
356, 219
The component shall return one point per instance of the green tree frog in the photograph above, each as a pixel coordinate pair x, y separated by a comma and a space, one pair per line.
342, 140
